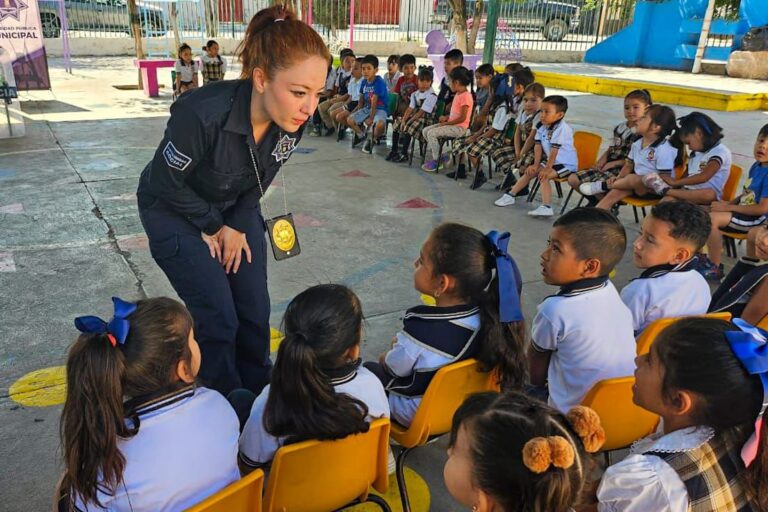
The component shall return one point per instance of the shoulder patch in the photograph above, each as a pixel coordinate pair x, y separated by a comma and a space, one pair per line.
175, 158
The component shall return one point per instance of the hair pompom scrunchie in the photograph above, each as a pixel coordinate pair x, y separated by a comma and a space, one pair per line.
540, 453
586, 423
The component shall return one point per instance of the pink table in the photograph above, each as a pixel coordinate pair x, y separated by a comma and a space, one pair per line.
149, 69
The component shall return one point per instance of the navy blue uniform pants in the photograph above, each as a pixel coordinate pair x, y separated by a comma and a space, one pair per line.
230, 312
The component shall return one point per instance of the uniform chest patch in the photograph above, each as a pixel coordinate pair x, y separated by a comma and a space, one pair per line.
283, 149
174, 158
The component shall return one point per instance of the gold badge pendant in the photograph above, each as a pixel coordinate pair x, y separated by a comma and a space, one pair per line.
282, 236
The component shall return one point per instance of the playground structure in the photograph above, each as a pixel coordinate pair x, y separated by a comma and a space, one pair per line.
665, 35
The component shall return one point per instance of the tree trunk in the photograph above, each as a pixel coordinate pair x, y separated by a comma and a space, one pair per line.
135, 21
211, 17
172, 14
459, 28
477, 18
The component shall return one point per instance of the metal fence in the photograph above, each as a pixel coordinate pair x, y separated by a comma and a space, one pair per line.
554, 25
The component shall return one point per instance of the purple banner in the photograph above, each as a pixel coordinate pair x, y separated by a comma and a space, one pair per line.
21, 38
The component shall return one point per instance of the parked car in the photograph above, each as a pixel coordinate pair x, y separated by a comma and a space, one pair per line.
101, 15
555, 19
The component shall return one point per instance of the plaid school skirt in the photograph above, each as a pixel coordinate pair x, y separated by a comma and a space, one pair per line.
506, 159
478, 148
413, 126
591, 175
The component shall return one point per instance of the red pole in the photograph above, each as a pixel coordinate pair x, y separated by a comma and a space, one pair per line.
309, 13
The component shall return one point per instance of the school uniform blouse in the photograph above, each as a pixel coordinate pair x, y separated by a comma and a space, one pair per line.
658, 156
185, 450
642, 483
698, 160
258, 447
203, 168
558, 135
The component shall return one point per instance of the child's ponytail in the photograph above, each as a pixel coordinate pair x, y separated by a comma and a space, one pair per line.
664, 117
321, 325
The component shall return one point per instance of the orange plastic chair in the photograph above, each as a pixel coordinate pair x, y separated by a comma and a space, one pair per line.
649, 334
643, 203
587, 146
241, 496
446, 392
763, 323
623, 421
317, 476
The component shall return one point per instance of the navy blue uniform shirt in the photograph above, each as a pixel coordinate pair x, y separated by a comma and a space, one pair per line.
203, 168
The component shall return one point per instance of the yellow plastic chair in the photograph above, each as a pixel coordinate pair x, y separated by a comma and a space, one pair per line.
623, 421
317, 476
446, 392
587, 146
241, 496
650, 333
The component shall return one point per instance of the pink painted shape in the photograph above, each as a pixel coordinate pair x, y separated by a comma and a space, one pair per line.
149, 69
6, 262
305, 221
12, 208
357, 173
134, 243
276, 183
416, 202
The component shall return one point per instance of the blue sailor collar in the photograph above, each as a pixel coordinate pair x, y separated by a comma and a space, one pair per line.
582, 286
661, 270
442, 312
153, 402
343, 374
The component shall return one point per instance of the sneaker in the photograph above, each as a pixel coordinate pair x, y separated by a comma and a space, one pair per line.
460, 174
357, 140
591, 188
368, 148
399, 158
508, 182
542, 211
445, 160
479, 180
430, 166
615, 210
505, 200
391, 156
654, 182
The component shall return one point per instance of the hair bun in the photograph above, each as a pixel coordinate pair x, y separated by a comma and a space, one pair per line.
586, 423
540, 453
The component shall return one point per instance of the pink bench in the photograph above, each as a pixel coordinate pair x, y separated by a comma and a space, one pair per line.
149, 67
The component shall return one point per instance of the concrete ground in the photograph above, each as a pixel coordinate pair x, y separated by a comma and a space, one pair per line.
70, 238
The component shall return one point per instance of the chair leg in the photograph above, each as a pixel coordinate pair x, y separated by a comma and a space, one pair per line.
634, 211
383, 505
567, 200
559, 189
534, 189
642, 208
400, 474
411, 150
440, 143
581, 200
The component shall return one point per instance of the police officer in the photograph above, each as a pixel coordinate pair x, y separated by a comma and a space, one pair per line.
199, 197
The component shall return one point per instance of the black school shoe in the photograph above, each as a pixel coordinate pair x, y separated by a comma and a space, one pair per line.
329, 131
400, 158
342, 131
357, 140
479, 180
392, 155
508, 182
459, 173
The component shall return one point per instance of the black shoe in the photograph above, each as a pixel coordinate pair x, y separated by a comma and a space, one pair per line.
479, 180
523, 192
400, 157
368, 148
508, 182
462, 174
392, 156
340, 136
592, 202
329, 131
357, 140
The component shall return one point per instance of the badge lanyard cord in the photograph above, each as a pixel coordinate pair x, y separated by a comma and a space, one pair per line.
261, 189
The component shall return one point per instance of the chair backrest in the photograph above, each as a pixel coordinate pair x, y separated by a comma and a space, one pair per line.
392, 102
327, 475
732, 184
587, 146
446, 392
241, 496
763, 324
649, 334
623, 421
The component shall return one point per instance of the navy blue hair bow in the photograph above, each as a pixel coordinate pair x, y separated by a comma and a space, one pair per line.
510, 282
750, 345
116, 329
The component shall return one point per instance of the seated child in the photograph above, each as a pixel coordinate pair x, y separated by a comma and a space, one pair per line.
503, 86
318, 389
371, 111
554, 153
406, 85
214, 67
651, 156
340, 112
510, 452
452, 59
705, 379
393, 74
709, 163
453, 125
520, 154
171, 444
421, 109
477, 314
492, 137
612, 160
341, 94
666, 249
186, 70
744, 291
483, 96
746, 211
583, 334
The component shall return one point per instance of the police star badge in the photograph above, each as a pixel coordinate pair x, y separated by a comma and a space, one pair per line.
11, 9
283, 149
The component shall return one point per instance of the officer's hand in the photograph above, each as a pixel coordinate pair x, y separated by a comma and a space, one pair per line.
212, 241
233, 245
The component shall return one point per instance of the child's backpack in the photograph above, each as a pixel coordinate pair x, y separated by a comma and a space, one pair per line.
503, 86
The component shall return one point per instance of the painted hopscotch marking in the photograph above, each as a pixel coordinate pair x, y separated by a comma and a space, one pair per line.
6, 262
40, 388
12, 208
416, 202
